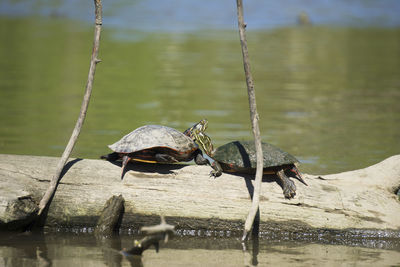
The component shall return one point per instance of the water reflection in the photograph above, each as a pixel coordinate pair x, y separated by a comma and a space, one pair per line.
110, 248
250, 258
86, 250
23, 250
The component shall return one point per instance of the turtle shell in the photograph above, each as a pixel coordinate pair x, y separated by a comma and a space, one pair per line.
242, 154
152, 136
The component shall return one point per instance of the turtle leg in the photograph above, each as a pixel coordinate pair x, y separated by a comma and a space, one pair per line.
165, 158
289, 188
217, 169
200, 159
125, 160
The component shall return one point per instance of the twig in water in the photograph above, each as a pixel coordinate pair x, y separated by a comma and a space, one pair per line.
85, 103
154, 234
254, 122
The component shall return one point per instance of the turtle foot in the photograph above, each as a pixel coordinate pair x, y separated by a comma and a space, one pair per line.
217, 170
289, 190
288, 186
215, 173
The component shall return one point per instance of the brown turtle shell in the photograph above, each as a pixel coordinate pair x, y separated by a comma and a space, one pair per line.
150, 138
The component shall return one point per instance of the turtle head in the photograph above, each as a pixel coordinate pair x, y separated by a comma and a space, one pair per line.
196, 132
205, 143
196, 129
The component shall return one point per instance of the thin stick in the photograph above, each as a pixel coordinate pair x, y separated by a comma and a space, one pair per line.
254, 122
85, 103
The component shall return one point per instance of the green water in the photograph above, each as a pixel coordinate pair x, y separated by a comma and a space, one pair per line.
329, 96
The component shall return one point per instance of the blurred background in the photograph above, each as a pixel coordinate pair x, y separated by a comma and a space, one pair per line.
327, 75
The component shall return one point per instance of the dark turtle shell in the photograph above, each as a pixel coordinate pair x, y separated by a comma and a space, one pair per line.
154, 136
242, 154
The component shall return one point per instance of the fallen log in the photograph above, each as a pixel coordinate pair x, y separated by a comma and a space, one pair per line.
357, 200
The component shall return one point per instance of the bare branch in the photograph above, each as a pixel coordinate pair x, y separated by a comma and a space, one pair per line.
254, 122
85, 103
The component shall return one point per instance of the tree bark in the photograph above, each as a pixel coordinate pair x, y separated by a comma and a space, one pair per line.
85, 103
254, 123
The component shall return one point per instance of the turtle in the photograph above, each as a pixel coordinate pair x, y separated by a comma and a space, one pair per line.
158, 144
240, 157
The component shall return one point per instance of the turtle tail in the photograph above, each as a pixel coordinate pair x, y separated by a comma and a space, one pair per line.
125, 160
111, 157
298, 175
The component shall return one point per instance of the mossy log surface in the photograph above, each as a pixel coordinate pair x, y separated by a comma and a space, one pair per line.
363, 199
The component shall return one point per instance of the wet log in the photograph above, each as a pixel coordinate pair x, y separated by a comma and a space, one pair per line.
357, 200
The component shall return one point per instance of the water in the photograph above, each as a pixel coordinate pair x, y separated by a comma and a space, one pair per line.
86, 250
186, 16
328, 94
